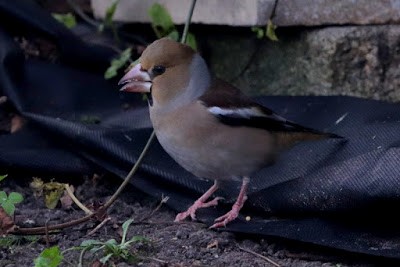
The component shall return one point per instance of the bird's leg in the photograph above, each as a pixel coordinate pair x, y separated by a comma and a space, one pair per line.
200, 203
234, 212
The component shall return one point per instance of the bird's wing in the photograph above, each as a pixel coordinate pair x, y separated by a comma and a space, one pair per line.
232, 107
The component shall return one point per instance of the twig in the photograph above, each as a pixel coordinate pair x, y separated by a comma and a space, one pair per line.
75, 200
163, 200
260, 256
101, 210
47, 233
187, 23
273, 12
155, 259
40, 230
99, 226
130, 174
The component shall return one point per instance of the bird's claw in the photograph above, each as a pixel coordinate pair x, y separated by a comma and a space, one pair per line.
225, 219
191, 211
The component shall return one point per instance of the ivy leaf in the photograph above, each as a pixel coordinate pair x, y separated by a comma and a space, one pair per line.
8, 207
271, 31
259, 32
174, 35
67, 19
161, 20
2, 177
50, 257
118, 63
15, 197
191, 41
110, 13
3, 197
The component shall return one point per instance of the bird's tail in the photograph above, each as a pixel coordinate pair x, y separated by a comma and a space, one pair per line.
289, 139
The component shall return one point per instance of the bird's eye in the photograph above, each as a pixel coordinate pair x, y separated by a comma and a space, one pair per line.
158, 70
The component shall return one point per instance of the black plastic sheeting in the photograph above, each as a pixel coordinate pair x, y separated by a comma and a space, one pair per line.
343, 195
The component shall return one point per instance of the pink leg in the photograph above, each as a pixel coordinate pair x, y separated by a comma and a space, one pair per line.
200, 203
234, 212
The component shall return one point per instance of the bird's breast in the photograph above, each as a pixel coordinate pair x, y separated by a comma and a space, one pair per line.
199, 143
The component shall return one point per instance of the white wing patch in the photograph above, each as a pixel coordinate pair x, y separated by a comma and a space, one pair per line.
237, 112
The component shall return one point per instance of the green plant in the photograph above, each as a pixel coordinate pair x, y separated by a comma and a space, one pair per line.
50, 257
162, 24
118, 63
2, 177
7, 202
67, 19
268, 31
111, 248
108, 20
9, 241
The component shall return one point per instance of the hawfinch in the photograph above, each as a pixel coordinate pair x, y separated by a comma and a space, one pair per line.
207, 125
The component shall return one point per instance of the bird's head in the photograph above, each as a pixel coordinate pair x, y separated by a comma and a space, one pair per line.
168, 70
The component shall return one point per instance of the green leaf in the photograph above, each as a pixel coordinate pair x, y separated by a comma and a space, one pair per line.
105, 258
67, 19
271, 31
125, 227
174, 35
50, 257
133, 240
2, 177
15, 197
90, 242
191, 41
161, 20
3, 197
111, 242
110, 13
8, 207
259, 32
118, 63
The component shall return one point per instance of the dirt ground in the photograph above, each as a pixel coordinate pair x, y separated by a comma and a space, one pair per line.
168, 243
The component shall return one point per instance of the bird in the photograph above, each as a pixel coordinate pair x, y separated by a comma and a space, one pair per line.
207, 125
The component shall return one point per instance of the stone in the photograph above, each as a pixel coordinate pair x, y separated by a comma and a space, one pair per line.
337, 12
361, 61
222, 12
257, 12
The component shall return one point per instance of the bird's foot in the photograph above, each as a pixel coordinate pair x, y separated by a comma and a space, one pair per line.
225, 219
191, 211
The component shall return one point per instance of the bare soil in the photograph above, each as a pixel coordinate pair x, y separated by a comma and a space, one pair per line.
168, 243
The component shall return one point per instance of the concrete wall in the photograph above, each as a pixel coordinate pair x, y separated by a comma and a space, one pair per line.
349, 47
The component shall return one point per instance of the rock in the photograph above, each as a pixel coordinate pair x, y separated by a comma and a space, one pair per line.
328, 12
226, 12
257, 12
359, 61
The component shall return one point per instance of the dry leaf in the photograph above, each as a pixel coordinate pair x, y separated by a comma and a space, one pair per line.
52, 193
66, 201
37, 187
213, 244
17, 122
6, 222
3, 99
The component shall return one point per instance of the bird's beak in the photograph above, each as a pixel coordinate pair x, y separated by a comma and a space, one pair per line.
136, 80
